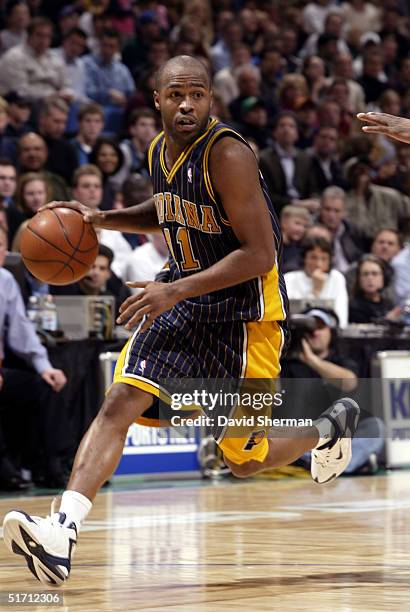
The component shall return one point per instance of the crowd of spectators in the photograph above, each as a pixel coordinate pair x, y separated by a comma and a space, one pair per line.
77, 117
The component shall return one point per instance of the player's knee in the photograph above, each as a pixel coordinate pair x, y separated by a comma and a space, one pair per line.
242, 470
123, 405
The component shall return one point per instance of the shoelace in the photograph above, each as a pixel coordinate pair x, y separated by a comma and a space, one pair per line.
323, 458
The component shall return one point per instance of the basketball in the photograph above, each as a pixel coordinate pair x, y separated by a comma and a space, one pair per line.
58, 247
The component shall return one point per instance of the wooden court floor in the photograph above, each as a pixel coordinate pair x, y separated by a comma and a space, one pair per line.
255, 545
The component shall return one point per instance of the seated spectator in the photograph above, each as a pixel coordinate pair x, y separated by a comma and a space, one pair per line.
31, 393
87, 186
52, 121
372, 207
361, 16
307, 118
314, 71
68, 19
73, 47
88, 189
288, 44
8, 183
19, 112
272, 69
100, 280
225, 82
368, 304
293, 223
142, 129
343, 69
286, 169
372, 84
109, 158
221, 52
320, 358
31, 68
108, 81
7, 143
401, 266
292, 92
17, 20
90, 126
318, 230
147, 260
386, 245
333, 24
314, 15
317, 280
33, 192
326, 167
349, 243
248, 80
254, 121
32, 156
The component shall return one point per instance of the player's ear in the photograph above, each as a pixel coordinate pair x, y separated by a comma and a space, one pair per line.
156, 100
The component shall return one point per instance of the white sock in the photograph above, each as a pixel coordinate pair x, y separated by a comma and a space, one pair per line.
326, 431
75, 506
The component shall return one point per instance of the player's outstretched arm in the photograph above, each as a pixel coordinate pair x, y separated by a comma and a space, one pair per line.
388, 125
135, 219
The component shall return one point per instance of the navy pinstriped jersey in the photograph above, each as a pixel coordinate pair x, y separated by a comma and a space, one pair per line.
198, 233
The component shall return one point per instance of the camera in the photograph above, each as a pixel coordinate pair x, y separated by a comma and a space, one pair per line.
299, 326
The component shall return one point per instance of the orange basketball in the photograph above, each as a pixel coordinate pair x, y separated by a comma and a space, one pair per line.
58, 247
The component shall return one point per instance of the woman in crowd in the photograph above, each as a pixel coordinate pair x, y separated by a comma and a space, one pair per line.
33, 192
318, 280
368, 303
109, 158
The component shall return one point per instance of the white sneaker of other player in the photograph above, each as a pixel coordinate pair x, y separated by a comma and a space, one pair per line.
330, 460
46, 544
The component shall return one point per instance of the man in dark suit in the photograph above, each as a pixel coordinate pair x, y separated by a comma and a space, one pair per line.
326, 168
286, 169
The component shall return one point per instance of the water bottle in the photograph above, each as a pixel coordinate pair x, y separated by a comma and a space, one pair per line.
49, 315
33, 310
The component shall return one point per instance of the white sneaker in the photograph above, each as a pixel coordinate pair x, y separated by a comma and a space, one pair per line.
330, 461
45, 543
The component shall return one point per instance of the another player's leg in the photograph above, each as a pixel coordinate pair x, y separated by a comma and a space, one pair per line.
329, 439
47, 544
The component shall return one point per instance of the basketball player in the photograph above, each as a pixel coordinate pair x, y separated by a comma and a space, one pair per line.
222, 315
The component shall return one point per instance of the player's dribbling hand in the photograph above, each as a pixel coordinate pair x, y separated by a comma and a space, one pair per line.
89, 215
153, 300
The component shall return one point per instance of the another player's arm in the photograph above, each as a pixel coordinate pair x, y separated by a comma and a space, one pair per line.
134, 219
235, 177
388, 125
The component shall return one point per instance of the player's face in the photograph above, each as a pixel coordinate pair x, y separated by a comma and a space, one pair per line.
184, 101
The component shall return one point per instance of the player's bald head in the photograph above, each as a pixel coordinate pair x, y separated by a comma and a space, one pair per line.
179, 65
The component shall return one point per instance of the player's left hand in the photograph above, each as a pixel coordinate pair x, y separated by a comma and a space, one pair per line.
153, 300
